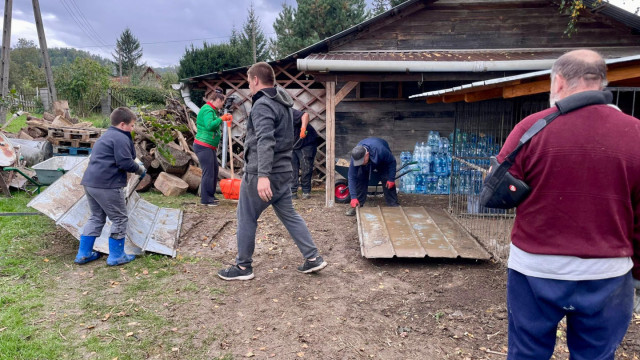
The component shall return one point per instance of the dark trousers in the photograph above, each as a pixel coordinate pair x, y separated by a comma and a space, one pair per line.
302, 161
209, 164
362, 183
105, 203
250, 206
598, 314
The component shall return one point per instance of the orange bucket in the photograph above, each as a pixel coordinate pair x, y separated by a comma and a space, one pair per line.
230, 188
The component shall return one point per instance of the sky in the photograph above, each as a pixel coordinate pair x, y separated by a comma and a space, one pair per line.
163, 27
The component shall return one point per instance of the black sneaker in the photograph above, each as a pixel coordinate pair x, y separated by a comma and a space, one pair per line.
236, 273
351, 212
306, 196
312, 266
294, 195
215, 202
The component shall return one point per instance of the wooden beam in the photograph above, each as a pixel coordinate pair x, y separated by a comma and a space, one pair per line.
536, 87
346, 89
483, 95
434, 99
330, 132
453, 98
629, 72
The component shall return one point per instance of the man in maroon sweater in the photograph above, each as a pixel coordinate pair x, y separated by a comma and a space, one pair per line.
575, 247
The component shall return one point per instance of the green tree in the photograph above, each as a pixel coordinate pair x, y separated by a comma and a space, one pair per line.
210, 58
394, 3
128, 50
379, 6
251, 30
84, 79
168, 78
314, 20
25, 66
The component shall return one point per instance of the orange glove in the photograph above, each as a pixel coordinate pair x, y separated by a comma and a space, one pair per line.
303, 133
391, 184
354, 203
227, 117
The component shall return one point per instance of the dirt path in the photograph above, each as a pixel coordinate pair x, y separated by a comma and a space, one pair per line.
356, 308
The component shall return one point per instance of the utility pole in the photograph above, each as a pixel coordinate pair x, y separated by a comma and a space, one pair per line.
120, 65
253, 41
44, 51
4, 63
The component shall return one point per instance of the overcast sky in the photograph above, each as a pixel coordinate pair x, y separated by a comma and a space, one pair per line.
164, 27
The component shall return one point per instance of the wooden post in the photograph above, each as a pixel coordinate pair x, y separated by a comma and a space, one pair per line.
44, 51
4, 65
330, 114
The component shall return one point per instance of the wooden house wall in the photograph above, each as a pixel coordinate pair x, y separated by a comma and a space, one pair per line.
525, 24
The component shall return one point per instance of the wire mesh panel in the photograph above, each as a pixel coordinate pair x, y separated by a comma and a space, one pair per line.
480, 131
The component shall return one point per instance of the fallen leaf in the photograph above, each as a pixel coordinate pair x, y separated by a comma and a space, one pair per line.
106, 317
129, 334
132, 323
45, 260
304, 346
300, 354
174, 329
275, 300
3, 329
145, 272
90, 327
250, 354
175, 349
85, 293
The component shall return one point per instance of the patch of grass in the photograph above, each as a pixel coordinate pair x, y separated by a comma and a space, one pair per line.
175, 202
98, 120
15, 124
24, 284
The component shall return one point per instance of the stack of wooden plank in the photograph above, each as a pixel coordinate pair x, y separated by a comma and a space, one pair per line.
72, 141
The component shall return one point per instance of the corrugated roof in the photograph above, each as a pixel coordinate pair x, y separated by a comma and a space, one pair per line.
463, 55
504, 80
621, 15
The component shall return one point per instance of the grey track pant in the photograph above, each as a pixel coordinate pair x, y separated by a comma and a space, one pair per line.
103, 203
250, 206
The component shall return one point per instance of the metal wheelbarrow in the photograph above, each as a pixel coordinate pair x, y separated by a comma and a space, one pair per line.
341, 188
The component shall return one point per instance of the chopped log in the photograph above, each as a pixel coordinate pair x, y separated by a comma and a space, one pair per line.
177, 165
29, 117
22, 134
170, 185
145, 183
192, 127
48, 116
83, 125
144, 155
36, 133
59, 121
59, 107
155, 164
193, 177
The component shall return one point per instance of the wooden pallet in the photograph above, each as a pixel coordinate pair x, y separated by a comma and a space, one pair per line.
73, 134
77, 143
71, 151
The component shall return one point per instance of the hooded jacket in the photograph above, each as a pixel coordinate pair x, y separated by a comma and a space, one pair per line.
111, 159
380, 159
269, 140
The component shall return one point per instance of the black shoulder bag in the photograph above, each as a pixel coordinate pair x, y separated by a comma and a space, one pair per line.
500, 189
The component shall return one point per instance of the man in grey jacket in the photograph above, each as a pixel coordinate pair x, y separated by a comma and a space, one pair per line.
267, 175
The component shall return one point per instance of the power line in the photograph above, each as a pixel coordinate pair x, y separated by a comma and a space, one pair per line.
87, 23
82, 27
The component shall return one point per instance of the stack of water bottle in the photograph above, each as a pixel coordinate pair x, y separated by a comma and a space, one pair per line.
433, 172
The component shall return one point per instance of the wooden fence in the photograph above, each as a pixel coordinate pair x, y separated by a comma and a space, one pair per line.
26, 101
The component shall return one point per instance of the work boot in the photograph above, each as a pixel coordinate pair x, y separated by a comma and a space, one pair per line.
351, 212
116, 253
85, 251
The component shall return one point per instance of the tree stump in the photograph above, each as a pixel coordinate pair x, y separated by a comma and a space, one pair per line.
193, 177
178, 165
170, 185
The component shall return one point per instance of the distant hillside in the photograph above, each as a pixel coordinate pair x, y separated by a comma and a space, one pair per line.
61, 56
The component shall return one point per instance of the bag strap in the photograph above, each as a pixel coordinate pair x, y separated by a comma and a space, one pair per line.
566, 105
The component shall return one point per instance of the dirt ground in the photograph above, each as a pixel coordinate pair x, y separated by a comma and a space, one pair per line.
354, 309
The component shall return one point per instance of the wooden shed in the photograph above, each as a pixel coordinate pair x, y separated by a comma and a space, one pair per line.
357, 83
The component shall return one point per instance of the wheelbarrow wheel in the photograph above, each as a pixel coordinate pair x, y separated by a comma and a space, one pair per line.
342, 192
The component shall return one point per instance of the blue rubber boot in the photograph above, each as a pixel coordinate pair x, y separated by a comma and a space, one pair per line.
116, 253
85, 251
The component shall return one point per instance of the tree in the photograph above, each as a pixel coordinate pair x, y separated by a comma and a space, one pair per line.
314, 20
128, 50
25, 69
394, 3
379, 6
83, 80
210, 58
251, 33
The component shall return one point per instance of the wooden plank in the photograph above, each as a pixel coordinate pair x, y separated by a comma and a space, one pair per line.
453, 98
483, 95
345, 90
374, 238
429, 234
530, 88
629, 72
434, 99
404, 240
466, 246
330, 132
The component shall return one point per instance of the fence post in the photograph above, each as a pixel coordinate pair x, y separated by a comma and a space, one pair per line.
105, 103
44, 97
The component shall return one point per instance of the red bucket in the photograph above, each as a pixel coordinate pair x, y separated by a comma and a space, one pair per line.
230, 188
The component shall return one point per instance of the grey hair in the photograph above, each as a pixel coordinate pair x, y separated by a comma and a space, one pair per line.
575, 69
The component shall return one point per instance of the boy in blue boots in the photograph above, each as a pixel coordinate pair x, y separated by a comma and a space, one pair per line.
112, 157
